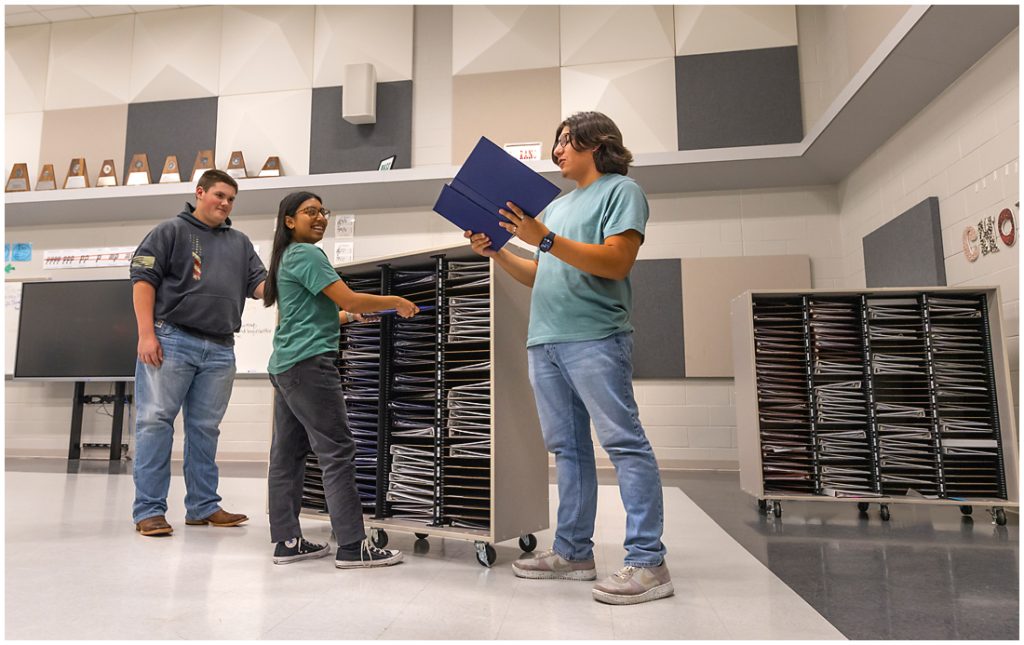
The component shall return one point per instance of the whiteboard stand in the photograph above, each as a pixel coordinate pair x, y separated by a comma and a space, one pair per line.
118, 398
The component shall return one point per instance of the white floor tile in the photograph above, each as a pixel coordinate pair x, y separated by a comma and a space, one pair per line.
76, 569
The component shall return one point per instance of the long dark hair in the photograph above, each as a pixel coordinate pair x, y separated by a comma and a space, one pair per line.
282, 238
595, 130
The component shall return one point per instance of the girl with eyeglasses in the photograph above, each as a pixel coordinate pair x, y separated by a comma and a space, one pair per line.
309, 409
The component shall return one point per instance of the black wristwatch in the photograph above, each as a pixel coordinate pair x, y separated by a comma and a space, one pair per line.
545, 244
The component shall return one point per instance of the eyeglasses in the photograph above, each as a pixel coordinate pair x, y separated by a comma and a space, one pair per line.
313, 211
563, 141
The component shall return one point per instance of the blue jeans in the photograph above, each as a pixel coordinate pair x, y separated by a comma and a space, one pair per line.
573, 384
196, 375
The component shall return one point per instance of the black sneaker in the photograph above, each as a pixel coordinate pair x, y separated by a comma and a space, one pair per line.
365, 556
297, 549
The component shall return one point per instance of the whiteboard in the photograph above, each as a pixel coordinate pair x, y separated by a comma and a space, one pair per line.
12, 312
254, 341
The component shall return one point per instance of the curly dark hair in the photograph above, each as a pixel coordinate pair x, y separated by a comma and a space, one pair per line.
595, 130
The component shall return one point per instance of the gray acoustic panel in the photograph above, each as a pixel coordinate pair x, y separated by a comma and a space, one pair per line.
658, 319
907, 251
335, 145
160, 128
738, 98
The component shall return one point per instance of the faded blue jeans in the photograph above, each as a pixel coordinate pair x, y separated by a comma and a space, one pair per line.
196, 375
573, 384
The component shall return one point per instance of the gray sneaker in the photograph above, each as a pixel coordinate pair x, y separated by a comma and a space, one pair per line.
548, 565
632, 585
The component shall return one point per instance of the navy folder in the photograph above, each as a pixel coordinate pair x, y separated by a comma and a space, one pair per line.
489, 178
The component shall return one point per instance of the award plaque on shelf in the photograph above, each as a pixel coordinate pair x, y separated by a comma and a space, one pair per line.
78, 175
138, 170
18, 181
170, 174
108, 176
204, 162
236, 165
46, 178
272, 168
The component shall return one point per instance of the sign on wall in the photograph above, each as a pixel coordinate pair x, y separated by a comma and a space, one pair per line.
981, 238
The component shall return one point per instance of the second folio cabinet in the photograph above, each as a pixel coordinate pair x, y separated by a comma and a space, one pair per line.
440, 405
887, 395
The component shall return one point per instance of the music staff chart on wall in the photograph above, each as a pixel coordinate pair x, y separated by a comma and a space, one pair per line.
115, 256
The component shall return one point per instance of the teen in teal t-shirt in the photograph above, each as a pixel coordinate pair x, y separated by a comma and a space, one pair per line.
309, 406
568, 304
308, 323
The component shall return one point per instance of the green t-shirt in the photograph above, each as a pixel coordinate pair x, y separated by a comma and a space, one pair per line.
307, 319
567, 304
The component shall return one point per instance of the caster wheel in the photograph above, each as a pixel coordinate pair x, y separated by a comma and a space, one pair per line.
421, 536
1000, 516
485, 554
379, 538
528, 543
762, 506
884, 512
863, 507
966, 510
777, 508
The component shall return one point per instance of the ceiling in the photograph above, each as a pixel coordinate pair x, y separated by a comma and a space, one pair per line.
17, 15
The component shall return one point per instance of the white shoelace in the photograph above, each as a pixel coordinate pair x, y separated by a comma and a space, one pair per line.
626, 572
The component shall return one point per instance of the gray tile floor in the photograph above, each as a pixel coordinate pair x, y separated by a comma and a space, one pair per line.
822, 571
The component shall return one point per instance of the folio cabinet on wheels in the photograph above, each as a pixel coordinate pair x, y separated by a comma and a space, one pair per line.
440, 405
875, 396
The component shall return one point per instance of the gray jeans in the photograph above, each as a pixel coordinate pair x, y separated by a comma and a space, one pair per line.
309, 412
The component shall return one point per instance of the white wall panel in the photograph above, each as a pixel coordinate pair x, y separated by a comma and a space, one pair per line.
27, 56
261, 125
639, 96
22, 141
266, 49
380, 35
176, 54
503, 39
604, 34
90, 63
704, 29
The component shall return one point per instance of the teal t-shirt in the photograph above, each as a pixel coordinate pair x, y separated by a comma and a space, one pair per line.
307, 319
567, 304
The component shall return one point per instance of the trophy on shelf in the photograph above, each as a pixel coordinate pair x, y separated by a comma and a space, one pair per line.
272, 168
18, 181
138, 170
108, 176
46, 178
170, 174
78, 175
236, 165
204, 162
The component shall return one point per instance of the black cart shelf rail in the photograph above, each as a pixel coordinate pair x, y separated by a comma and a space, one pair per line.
875, 396
447, 439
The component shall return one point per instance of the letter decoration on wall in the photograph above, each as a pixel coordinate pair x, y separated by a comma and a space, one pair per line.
1008, 236
970, 251
985, 234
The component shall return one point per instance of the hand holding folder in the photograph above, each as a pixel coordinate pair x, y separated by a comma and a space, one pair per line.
488, 179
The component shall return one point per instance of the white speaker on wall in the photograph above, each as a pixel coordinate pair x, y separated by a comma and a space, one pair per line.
359, 94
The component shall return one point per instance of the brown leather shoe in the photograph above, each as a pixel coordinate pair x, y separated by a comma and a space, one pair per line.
220, 518
155, 525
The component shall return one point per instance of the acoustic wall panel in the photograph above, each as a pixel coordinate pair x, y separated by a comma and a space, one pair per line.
638, 95
94, 133
657, 319
181, 128
481, 107
266, 49
708, 29
27, 54
22, 139
738, 98
710, 284
638, 33
503, 38
907, 251
89, 63
379, 35
336, 145
172, 57
261, 125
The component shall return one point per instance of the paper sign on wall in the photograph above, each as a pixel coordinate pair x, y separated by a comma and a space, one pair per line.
343, 252
112, 256
524, 151
344, 226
